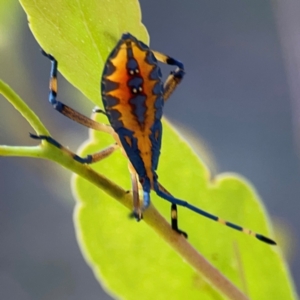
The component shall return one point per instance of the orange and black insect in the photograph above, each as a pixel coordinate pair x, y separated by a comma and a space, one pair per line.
133, 95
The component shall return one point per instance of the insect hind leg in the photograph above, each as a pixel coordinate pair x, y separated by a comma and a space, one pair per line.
203, 213
174, 214
174, 220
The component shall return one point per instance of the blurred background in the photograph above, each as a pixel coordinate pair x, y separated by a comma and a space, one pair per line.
240, 98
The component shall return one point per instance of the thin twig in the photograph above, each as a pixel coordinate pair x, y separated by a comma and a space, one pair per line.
23, 109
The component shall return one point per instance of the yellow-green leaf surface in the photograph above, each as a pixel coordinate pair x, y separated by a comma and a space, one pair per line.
130, 259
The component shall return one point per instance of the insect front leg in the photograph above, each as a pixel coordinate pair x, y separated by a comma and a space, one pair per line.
175, 76
66, 110
75, 116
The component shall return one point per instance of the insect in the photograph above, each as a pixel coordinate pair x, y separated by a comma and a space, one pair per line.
133, 96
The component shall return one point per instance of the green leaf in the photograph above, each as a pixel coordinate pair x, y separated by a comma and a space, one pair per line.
121, 250
129, 258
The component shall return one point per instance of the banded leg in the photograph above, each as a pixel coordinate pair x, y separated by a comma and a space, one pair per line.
170, 85
174, 220
75, 116
175, 77
203, 213
66, 110
89, 159
137, 211
174, 214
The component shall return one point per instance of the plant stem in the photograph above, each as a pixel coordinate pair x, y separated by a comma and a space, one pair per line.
23, 109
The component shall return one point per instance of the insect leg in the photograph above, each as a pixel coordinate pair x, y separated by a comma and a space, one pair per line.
99, 110
212, 217
170, 85
77, 117
137, 211
89, 159
174, 220
104, 153
66, 110
175, 77
174, 215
